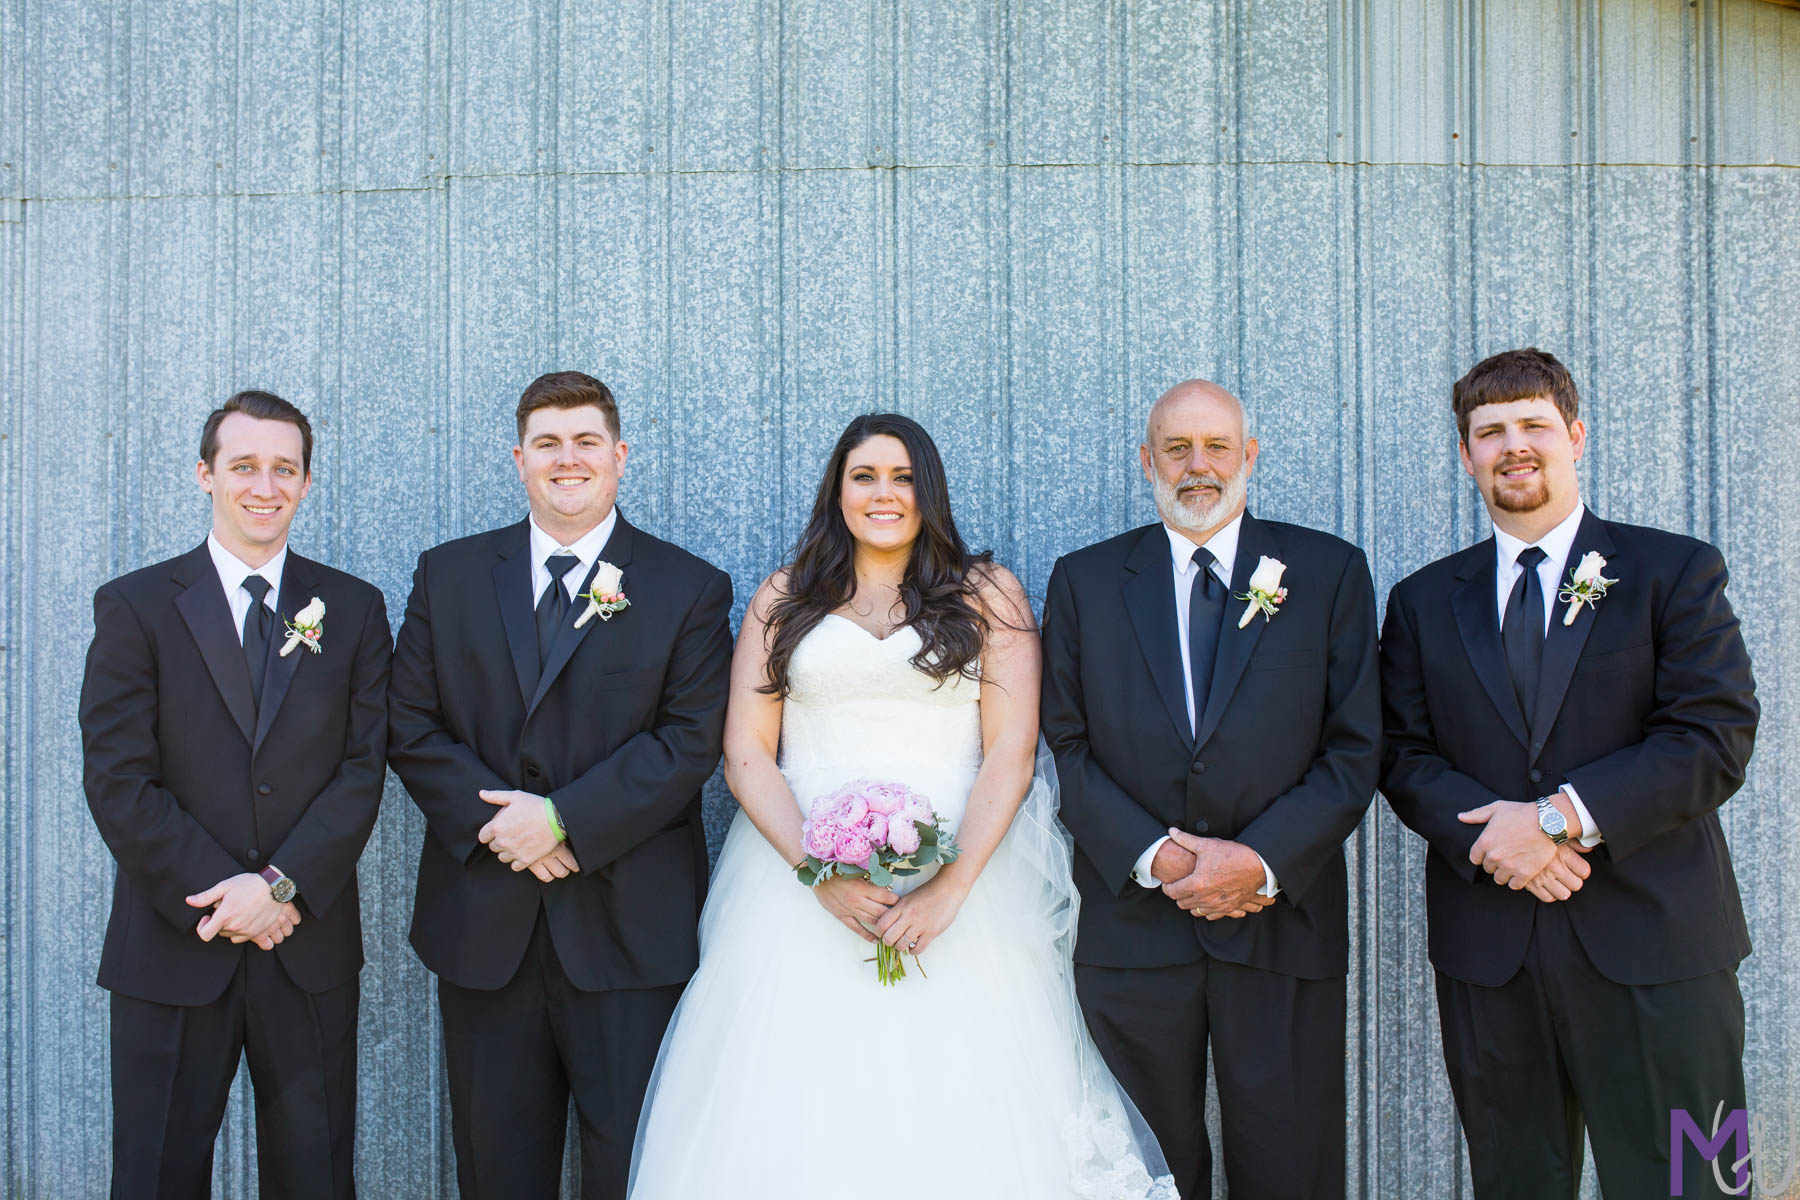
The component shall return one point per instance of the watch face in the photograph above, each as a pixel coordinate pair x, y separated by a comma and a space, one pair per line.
1551, 821
282, 890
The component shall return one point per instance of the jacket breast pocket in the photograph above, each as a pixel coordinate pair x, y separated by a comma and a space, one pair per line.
648, 679
1616, 660
1287, 661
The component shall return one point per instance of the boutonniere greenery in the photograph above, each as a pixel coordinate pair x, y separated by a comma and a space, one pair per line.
604, 596
306, 629
1266, 593
1587, 585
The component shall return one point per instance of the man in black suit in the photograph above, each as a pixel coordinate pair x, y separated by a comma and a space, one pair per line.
558, 701
1214, 752
1571, 741
233, 723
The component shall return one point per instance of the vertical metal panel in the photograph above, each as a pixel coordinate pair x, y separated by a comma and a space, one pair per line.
73, 141
1018, 221
285, 81
390, 133
613, 87
724, 81
1754, 53
181, 99
1756, 396
949, 101
838, 86
1179, 68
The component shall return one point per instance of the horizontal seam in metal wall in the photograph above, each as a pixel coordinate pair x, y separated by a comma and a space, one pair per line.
433, 182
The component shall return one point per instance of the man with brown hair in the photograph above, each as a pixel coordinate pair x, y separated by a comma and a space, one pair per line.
1566, 705
558, 700
233, 725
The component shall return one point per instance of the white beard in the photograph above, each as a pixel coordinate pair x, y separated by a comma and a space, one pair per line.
1191, 518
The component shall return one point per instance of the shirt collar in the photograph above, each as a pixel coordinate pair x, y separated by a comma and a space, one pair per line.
234, 570
586, 548
1223, 545
1555, 544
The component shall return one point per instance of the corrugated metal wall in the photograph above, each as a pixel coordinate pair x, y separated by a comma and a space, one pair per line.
1017, 220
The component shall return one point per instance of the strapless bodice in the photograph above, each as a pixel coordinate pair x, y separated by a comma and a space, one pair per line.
858, 708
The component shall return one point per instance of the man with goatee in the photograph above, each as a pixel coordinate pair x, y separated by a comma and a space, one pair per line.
1566, 706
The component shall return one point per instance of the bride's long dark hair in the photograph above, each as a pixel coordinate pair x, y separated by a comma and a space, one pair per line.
939, 589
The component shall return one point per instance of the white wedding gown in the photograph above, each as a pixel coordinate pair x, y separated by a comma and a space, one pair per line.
789, 1072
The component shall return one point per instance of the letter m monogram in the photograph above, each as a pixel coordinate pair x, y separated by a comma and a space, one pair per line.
1735, 1129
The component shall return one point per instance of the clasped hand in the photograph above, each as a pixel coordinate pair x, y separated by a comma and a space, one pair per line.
910, 922
1211, 877
520, 836
1513, 849
244, 910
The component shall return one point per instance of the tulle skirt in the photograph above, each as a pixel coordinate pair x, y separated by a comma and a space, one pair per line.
789, 1071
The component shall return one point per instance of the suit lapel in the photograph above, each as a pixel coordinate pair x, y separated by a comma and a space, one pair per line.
1563, 644
1149, 594
512, 588
1235, 645
203, 606
297, 581
617, 551
1478, 620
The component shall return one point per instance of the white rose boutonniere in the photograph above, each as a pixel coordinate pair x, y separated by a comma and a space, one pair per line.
306, 629
605, 597
1587, 585
1266, 593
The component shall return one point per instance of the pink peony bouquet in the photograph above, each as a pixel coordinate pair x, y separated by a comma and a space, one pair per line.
875, 831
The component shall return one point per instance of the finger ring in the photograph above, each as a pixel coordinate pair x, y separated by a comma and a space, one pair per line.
912, 944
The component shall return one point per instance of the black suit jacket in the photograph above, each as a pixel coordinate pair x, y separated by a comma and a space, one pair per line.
190, 786
1285, 760
1646, 705
621, 729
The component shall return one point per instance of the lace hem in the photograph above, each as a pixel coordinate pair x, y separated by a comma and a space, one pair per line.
1103, 1162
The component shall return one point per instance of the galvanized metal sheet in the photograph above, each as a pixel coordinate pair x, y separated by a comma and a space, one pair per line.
1018, 222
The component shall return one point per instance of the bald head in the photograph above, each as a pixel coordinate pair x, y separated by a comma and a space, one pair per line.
1197, 455
1200, 395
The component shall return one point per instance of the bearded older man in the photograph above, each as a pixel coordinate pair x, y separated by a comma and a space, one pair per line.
1210, 693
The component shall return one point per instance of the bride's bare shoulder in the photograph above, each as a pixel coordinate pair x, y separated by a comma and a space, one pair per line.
773, 587
1001, 596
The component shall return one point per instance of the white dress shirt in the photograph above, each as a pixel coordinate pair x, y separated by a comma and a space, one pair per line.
586, 549
1556, 546
232, 573
1223, 545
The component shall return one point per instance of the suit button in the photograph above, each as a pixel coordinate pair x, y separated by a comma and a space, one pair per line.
251, 854
1198, 768
533, 773
262, 789
1536, 775
1199, 826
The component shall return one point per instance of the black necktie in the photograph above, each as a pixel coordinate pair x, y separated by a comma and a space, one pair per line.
1522, 631
258, 625
553, 605
1206, 612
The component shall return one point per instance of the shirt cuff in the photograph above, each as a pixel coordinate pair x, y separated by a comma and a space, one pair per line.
1269, 888
1140, 873
1590, 834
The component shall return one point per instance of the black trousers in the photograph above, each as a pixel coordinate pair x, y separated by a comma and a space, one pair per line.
172, 1069
1278, 1053
1560, 1047
516, 1055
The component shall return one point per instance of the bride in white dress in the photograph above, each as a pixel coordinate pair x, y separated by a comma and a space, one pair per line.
886, 652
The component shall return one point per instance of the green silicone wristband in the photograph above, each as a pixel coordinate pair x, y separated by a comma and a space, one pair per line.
556, 825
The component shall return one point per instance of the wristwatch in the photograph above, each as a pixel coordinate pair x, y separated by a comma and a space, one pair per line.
280, 886
1551, 821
